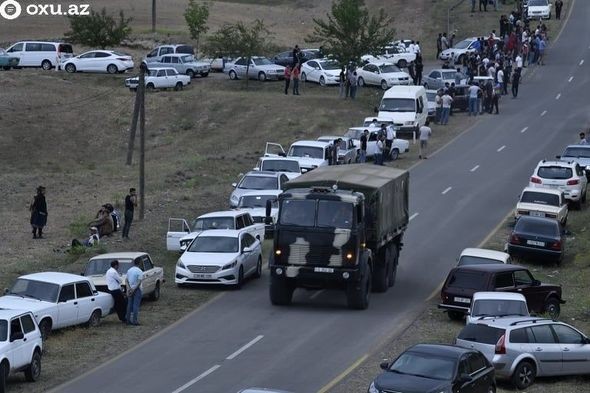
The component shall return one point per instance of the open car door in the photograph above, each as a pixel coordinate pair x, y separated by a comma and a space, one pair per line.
177, 228
274, 150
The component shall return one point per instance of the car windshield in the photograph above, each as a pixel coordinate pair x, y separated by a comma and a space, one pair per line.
538, 227
462, 44
398, 105
256, 201
329, 65
480, 333
214, 244
540, 198
468, 280
424, 365
450, 75
499, 308
554, 172
203, 224
280, 166
262, 61
472, 260
577, 152
3, 329
258, 183
39, 290
99, 267
354, 134
537, 3
306, 151
188, 58
386, 69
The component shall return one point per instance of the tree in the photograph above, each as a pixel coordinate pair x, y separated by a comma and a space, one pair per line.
350, 32
196, 16
240, 40
98, 29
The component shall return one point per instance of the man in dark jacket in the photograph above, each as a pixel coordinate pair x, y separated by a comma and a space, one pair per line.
38, 213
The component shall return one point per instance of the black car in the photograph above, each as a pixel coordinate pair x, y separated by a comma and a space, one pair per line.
286, 58
537, 237
434, 368
461, 98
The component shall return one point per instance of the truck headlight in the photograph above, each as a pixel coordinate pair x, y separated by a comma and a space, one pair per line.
180, 264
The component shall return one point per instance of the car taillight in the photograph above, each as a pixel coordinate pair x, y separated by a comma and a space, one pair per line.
536, 180
523, 213
551, 215
500, 345
573, 182
556, 245
514, 239
443, 297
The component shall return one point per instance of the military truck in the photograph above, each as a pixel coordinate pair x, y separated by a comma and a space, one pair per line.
339, 227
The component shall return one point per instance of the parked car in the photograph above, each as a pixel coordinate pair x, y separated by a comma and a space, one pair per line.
21, 346
394, 54
152, 278
183, 63
522, 349
310, 154
462, 48
347, 151
324, 72
180, 234
40, 54
399, 146
463, 281
436, 368
58, 300
7, 61
160, 78
255, 203
288, 166
108, 61
260, 68
538, 9
482, 256
493, 305
537, 237
431, 97
542, 202
220, 257
437, 78
286, 58
256, 180
384, 75
579, 154
157, 53
567, 176
461, 98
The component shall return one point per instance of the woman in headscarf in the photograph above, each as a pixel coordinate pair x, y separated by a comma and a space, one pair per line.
38, 213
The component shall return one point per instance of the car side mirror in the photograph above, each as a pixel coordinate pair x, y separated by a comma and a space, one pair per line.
234, 185
95, 292
281, 154
246, 250
16, 336
384, 365
536, 283
303, 170
465, 378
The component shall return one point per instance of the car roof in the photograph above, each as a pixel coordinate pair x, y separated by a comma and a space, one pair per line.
556, 163
543, 190
262, 390
379, 64
223, 213
444, 70
6, 313
262, 192
332, 137
235, 233
538, 219
310, 143
575, 146
160, 68
505, 322
263, 174
279, 158
445, 350
492, 267
485, 253
498, 296
403, 91
120, 255
54, 277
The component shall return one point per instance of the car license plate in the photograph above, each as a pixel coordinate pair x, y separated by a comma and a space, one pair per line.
537, 214
535, 243
462, 300
323, 270
202, 275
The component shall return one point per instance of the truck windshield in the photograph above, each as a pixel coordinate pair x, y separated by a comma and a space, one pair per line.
334, 214
322, 214
397, 105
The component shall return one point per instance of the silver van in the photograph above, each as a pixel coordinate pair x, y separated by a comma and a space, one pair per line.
46, 55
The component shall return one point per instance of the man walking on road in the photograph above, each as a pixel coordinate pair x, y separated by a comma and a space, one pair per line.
130, 204
558, 7
133, 285
515, 83
113, 280
425, 133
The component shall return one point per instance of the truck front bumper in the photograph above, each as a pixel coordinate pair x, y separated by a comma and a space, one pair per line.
316, 276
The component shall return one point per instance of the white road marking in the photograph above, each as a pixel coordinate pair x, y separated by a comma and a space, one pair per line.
197, 379
570, 79
581, 62
447, 190
413, 216
239, 351
316, 294
524, 130
501, 148
543, 113
557, 97
474, 168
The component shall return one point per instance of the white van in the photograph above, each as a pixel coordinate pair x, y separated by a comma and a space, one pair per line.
406, 107
41, 54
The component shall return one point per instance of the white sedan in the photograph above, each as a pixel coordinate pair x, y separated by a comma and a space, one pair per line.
224, 257
99, 61
58, 300
160, 78
382, 74
324, 72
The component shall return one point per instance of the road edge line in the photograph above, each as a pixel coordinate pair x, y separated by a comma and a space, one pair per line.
343, 374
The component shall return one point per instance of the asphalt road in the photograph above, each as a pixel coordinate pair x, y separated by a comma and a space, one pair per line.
457, 197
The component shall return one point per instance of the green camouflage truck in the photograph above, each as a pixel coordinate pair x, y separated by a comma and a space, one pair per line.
339, 227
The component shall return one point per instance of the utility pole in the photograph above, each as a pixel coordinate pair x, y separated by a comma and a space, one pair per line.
133, 129
153, 16
141, 90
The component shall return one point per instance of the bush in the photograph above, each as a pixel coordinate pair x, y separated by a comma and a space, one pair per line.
98, 29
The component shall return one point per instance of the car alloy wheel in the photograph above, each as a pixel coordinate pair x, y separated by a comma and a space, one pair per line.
394, 154
70, 68
240, 281
384, 85
552, 308
524, 375
178, 86
361, 81
112, 69
46, 65
94, 320
156, 294
233, 75
322, 81
261, 76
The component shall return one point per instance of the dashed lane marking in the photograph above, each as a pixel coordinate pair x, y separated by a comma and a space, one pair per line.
447, 190
543, 113
557, 97
581, 62
474, 168
197, 379
571, 78
239, 351
413, 216
524, 130
501, 148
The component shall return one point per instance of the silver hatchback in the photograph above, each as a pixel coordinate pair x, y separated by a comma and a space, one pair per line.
523, 348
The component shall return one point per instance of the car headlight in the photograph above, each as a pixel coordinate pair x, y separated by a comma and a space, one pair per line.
230, 265
372, 388
234, 199
180, 264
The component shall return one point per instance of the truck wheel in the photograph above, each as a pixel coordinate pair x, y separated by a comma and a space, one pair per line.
394, 261
358, 294
281, 291
380, 276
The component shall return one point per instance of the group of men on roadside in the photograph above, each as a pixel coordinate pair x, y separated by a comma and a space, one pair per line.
126, 304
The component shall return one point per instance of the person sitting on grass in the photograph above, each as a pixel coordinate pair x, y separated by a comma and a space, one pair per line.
93, 239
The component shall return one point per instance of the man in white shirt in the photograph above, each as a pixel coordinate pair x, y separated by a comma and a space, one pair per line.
389, 137
474, 91
113, 280
518, 61
447, 100
425, 133
500, 77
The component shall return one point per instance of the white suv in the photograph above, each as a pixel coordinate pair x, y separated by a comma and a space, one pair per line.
20, 345
566, 176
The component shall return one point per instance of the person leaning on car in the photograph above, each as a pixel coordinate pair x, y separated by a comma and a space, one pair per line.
113, 280
133, 284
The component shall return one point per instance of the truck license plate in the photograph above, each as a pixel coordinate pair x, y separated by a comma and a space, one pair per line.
462, 300
535, 243
202, 276
323, 270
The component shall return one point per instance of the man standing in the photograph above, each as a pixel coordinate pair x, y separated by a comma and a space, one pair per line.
133, 284
473, 93
419, 69
379, 153
485, 5
515, 83
295, 76
364, 137
558, 7
582, 140
444, 42
130, 204
353, 80
500, 78
447, 100
287, 78
425, 133
38, 209
438, 45
113, 280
